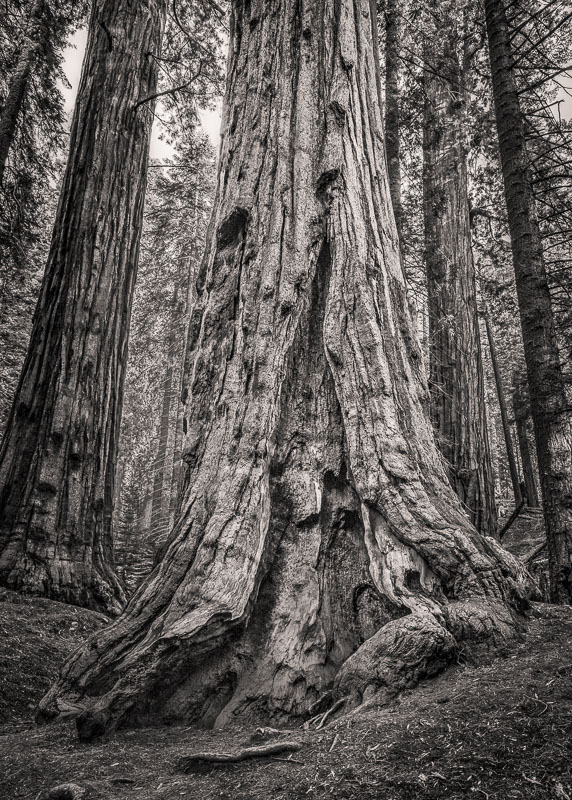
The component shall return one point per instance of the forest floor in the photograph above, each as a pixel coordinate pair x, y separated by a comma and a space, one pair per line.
498, 730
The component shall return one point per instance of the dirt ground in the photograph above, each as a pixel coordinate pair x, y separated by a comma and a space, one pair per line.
499, 730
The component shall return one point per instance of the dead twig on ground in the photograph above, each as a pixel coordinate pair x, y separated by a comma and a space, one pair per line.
329, 712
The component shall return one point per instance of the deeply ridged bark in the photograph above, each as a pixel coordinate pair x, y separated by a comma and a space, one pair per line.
549, 406
455, 362
316, 511
58, 456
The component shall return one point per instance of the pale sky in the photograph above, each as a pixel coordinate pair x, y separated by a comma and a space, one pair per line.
73, 57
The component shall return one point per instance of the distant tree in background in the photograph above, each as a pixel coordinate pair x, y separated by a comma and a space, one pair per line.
548, 397
455, 363
177, 208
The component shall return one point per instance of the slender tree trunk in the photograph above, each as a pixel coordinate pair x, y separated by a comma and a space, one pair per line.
58, 456
521, 405
163, 464
512, 466
161, 475
392, 95
455, 362
549, 406
19, 84
182, 397
319, 542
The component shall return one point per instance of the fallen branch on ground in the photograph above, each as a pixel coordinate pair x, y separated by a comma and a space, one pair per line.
511, 519
187, 762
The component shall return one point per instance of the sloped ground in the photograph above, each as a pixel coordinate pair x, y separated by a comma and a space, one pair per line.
36, 635
499, 730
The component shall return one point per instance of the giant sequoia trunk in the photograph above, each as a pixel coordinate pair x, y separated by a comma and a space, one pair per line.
549, 406
455, 362
319, 542
58, 456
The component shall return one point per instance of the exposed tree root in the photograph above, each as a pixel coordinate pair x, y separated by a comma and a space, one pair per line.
66, 791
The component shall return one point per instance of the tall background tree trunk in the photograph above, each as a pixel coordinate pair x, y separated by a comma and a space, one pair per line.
521, 405
164, 467
58, 456
320, 544
455, 363
19, 83
503, 408
392, 94
549, 407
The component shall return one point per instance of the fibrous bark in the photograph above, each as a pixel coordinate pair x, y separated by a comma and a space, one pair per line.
455, 362
58, 456
549, 407
316, 510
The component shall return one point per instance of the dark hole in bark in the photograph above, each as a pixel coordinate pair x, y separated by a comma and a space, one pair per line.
324, 182
231, 228
339, 112
372, 611
47, 488
413, 580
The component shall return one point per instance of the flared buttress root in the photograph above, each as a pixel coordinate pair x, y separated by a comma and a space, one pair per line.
419, 646
396, 657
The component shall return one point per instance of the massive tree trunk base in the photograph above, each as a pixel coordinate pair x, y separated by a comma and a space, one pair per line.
318, 529
343, 603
